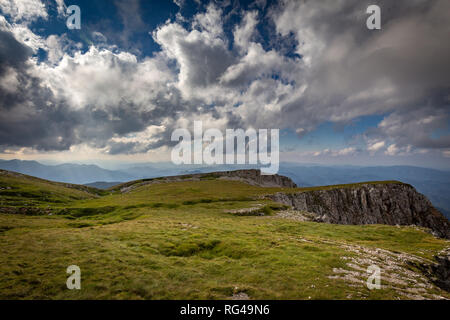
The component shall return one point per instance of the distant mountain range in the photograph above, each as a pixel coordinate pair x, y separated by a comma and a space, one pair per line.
435, 184
67, 172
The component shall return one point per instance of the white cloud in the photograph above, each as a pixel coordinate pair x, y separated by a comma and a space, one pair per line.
96, 78
24, 11
346, 151
243, 33
349, 151
392, 150
201, 54
300, 132
26, 36
61, 8
376, 146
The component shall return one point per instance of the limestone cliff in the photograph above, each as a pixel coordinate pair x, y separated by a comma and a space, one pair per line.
255, 177
391, 203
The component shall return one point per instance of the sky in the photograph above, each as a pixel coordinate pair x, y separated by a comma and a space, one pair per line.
116, 89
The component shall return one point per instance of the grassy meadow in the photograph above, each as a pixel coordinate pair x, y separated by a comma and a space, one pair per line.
177, 240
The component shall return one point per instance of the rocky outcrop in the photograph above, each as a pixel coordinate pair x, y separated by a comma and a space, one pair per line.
255, 177
370, 203
438, 272
441, 270
30, 211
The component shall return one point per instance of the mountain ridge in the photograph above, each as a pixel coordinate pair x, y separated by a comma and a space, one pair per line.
66, 172
376, 202
433, 183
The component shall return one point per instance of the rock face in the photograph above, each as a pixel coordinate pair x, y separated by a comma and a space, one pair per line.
383, 203
438, 272
254, 177
441, 270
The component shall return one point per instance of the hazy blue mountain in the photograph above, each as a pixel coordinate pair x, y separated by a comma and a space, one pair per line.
72, 173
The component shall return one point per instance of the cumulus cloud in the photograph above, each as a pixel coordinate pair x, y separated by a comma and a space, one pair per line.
23, 10
351, 71
300, 132
375, 146
201, 54
31, 115
119, 102
61, 8
416, 127
392, 150
81, 98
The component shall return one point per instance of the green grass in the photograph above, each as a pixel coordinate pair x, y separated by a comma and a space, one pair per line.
175, 241
19, 190
339, 186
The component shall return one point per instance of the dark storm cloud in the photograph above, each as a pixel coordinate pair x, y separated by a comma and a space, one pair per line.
416, 125
30, 115
402, 69
12, 53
